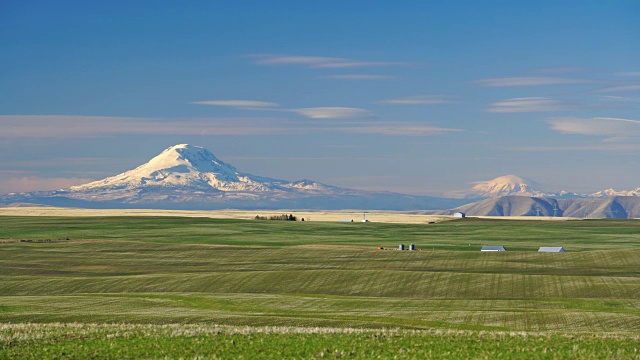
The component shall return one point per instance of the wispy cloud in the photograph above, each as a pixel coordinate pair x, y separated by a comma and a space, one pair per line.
65, 126
76, 126
236, 103
319, 61
398, 129
313, 113
358, 77
296, 60
590, 147
528, 104
356, 64
619, 99
621, 139
559, 70
602, 126
419, 100
332, 112
629, 73
622, 88
529, 81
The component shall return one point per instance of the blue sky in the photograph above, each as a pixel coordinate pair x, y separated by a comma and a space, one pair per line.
415, 97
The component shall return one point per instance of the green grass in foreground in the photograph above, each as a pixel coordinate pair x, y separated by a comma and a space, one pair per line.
33, 341
139, 274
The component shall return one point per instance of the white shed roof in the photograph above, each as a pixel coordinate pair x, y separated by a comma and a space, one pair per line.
492, 248
551, 249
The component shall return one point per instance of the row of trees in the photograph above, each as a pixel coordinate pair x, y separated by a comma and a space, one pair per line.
285, 217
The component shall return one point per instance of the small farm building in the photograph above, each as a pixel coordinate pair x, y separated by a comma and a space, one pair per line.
459, 215
492, 248
551, 249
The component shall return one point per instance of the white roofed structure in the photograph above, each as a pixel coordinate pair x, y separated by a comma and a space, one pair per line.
551, 249
493, 248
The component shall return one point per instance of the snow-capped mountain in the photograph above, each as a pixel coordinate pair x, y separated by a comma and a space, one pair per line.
612, 192
188, 167
512, 185
504, 186
190, 177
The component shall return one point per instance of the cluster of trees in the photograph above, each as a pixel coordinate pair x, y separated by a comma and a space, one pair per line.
285, 217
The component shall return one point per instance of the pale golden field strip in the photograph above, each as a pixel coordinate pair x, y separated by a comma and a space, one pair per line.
327, 216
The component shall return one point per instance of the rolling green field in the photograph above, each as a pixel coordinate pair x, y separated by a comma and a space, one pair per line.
127, 280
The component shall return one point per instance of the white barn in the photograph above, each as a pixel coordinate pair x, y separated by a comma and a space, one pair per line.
459, 215
493, 248
551, 249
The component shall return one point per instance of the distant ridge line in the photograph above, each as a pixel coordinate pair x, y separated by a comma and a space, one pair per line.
608, 207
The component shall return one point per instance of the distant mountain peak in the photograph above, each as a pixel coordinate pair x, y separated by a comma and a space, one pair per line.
184, 166
612, 192
193, 157
506, 185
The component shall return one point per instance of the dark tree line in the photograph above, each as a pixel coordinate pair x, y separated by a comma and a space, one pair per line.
284, 217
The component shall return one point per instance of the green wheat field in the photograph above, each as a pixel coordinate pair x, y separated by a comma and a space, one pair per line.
178, 287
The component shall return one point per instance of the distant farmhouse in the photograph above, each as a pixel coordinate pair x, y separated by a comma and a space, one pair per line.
493, 248
551, 249
459, 215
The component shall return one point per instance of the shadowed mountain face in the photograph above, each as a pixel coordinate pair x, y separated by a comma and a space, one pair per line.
190, 177
609, 207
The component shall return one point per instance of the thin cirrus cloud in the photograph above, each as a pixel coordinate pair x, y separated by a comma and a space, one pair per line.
79, 126
619, 99
319, 61
602, 126
358, 77
419, 100
236, 103
628, 73
332, 112
559, 70
529, 81
622, 88
398, 129
527, 104
75, 126
313, 113
603, 146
